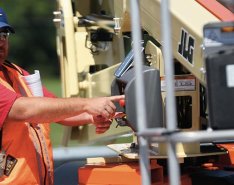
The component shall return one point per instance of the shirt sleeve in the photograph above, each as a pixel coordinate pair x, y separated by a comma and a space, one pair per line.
47, 93
7, 98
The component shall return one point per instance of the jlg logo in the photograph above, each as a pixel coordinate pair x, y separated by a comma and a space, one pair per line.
186, 46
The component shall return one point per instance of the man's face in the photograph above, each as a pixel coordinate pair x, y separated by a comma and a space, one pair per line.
3, 44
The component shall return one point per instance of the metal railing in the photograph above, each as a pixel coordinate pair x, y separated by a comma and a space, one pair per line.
170, 134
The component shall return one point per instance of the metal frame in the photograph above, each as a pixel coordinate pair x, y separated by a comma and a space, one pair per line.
172, 136
140, 98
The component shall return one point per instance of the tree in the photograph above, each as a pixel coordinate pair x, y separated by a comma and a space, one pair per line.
33, 46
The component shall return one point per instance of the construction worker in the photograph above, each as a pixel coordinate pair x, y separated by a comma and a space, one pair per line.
25, 147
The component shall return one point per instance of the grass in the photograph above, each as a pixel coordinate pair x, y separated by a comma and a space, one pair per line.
53, 84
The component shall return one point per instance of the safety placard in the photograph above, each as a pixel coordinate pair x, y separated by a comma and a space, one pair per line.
182, 83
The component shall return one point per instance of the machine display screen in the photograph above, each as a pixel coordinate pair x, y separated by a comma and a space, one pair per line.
126, 64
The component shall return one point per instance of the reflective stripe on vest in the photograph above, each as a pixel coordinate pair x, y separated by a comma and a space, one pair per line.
29, 144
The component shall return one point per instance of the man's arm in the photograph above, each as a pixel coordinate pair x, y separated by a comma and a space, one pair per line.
102, 124
42, 109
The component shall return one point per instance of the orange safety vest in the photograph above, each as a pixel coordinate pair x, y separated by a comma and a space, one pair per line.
29, 144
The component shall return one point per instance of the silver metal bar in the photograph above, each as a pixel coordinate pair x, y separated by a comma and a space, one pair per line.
202, 136
153, 132
140, 95
161, 135
158, 135
169, 67
173, 164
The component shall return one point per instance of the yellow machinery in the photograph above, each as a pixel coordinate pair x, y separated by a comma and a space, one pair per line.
84, 62
94, 36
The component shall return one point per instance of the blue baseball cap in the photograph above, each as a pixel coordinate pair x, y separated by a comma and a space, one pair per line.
4, 22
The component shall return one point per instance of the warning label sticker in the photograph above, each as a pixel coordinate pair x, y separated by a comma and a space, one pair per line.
182, 83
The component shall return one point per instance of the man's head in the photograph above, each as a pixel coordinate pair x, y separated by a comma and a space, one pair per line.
5, 30
4, 23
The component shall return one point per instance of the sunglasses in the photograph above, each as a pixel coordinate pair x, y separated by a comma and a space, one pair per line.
4, 35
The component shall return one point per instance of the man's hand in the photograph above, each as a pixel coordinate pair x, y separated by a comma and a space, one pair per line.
102, 106
102, 124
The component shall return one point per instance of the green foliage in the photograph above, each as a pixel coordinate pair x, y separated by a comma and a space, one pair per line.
56, 134
53, 85
34, 44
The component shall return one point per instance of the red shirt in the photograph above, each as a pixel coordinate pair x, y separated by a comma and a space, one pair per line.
8, 97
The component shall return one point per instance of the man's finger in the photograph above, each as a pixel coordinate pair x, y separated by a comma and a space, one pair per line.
101, 130
119, 115
103, 125
117, 97
109, 109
